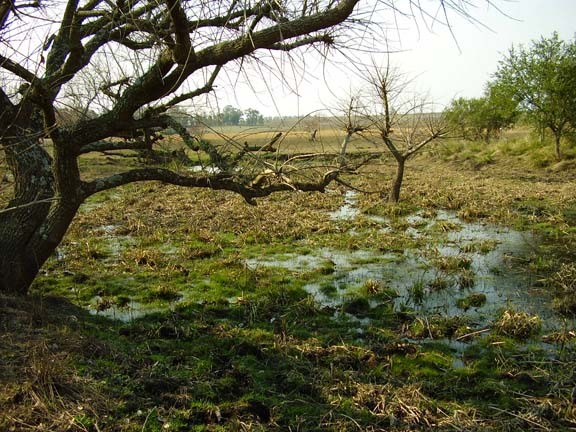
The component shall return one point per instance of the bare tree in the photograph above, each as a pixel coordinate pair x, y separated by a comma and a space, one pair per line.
353, 124
141, 58
405, 122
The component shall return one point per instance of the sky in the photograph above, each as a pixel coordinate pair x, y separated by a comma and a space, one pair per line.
442, 64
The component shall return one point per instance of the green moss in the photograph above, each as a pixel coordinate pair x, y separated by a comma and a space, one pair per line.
327, 288
327, 267
163, 292
475, 300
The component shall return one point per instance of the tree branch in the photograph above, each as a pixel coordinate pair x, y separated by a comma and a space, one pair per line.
414, 150
162, 78
325, 38
182, 52
216, 182
102, 146
269, 37
60, 47
17, 69
83, 131
225, 20
207, 88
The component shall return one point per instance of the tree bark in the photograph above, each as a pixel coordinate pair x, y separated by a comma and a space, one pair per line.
25, 213
397, 183
35, 221
557, 148
45, 200
21, 261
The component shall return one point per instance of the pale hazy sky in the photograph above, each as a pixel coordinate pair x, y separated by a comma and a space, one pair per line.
442, 65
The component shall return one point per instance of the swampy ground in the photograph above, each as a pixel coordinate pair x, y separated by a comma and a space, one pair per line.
168, 309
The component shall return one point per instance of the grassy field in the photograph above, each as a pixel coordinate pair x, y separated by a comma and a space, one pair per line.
159, 312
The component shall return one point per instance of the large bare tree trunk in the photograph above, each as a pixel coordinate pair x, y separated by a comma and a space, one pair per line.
20, 259
43, 205
19, 223
34, 222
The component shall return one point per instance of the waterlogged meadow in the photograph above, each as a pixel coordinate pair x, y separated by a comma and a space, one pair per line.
192, 310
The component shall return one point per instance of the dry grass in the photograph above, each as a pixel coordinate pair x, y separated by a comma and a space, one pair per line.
519, 325
41, 391
398, 404
564, 282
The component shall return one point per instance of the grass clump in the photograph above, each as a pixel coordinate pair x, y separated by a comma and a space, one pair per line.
377, 289
564, 284
373, 286
439, 283
482, 247
466, 279
165, 293
417, 292
518, 325
453, 264
444, 226
436, 327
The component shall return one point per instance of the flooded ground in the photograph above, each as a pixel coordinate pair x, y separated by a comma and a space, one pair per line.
465, 269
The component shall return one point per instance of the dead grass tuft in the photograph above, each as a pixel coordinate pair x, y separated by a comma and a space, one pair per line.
406, 407
519, 325
564, 283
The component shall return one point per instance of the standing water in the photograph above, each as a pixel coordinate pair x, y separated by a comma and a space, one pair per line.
472, 270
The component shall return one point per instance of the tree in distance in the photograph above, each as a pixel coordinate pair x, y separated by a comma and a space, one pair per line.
253, 117
483, 118
127, 64
231, 115
542, 80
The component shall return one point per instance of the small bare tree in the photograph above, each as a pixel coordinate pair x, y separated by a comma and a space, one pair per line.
405, 123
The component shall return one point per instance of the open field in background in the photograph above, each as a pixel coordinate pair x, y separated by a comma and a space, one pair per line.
520, 143
296, 138
187, 310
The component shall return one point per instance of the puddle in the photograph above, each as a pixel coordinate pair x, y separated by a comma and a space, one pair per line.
348, 210
97, 201
108, 229
126, 313
131, 310
114, 244
209, 169
295, 262
489, 254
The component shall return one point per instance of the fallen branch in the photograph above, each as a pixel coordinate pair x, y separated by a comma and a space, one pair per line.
475, 333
